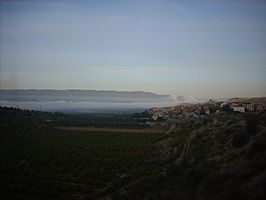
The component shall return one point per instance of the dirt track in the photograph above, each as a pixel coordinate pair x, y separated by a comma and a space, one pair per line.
118, 130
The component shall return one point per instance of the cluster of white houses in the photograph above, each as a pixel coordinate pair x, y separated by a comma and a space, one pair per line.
244, 106
201, 109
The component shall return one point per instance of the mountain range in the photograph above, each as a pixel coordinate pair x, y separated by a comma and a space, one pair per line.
81, 96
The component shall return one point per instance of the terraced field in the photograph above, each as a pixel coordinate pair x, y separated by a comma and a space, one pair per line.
47, 163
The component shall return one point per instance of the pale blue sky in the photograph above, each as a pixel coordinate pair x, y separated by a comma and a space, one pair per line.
201, 48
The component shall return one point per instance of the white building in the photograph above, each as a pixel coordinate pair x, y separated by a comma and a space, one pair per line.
207, 112
239, 109
157, 115
250, 107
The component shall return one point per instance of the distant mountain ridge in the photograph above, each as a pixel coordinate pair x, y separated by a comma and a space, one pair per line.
81, 92
79, 95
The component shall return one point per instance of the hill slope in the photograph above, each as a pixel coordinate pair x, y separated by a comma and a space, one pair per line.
219, 157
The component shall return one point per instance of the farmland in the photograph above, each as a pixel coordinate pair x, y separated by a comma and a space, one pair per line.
43, 158
43, 162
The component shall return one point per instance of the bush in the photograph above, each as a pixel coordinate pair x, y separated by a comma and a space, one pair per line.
240, 139
252, 125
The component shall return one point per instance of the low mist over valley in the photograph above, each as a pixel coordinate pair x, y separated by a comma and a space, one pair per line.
88, 100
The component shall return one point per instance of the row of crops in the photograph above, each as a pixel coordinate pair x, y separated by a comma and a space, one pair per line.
40, 162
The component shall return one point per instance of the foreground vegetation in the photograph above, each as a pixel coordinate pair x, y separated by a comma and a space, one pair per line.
223, 157
42, 162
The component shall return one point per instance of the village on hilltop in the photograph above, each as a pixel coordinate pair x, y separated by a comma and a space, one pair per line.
202, 110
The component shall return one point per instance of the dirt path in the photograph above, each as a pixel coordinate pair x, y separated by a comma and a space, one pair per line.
186, 148
113, 130
171, 128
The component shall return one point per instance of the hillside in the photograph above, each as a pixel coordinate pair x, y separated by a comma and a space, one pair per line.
219, 157
254, 100
224, 159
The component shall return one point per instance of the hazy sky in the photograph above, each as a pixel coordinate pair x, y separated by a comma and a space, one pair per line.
201, 48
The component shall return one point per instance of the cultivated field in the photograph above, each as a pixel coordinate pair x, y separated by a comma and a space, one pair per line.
49, 163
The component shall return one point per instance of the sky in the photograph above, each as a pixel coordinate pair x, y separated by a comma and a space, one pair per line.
208, 48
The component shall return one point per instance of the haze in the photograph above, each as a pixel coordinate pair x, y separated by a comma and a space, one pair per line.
201, 48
